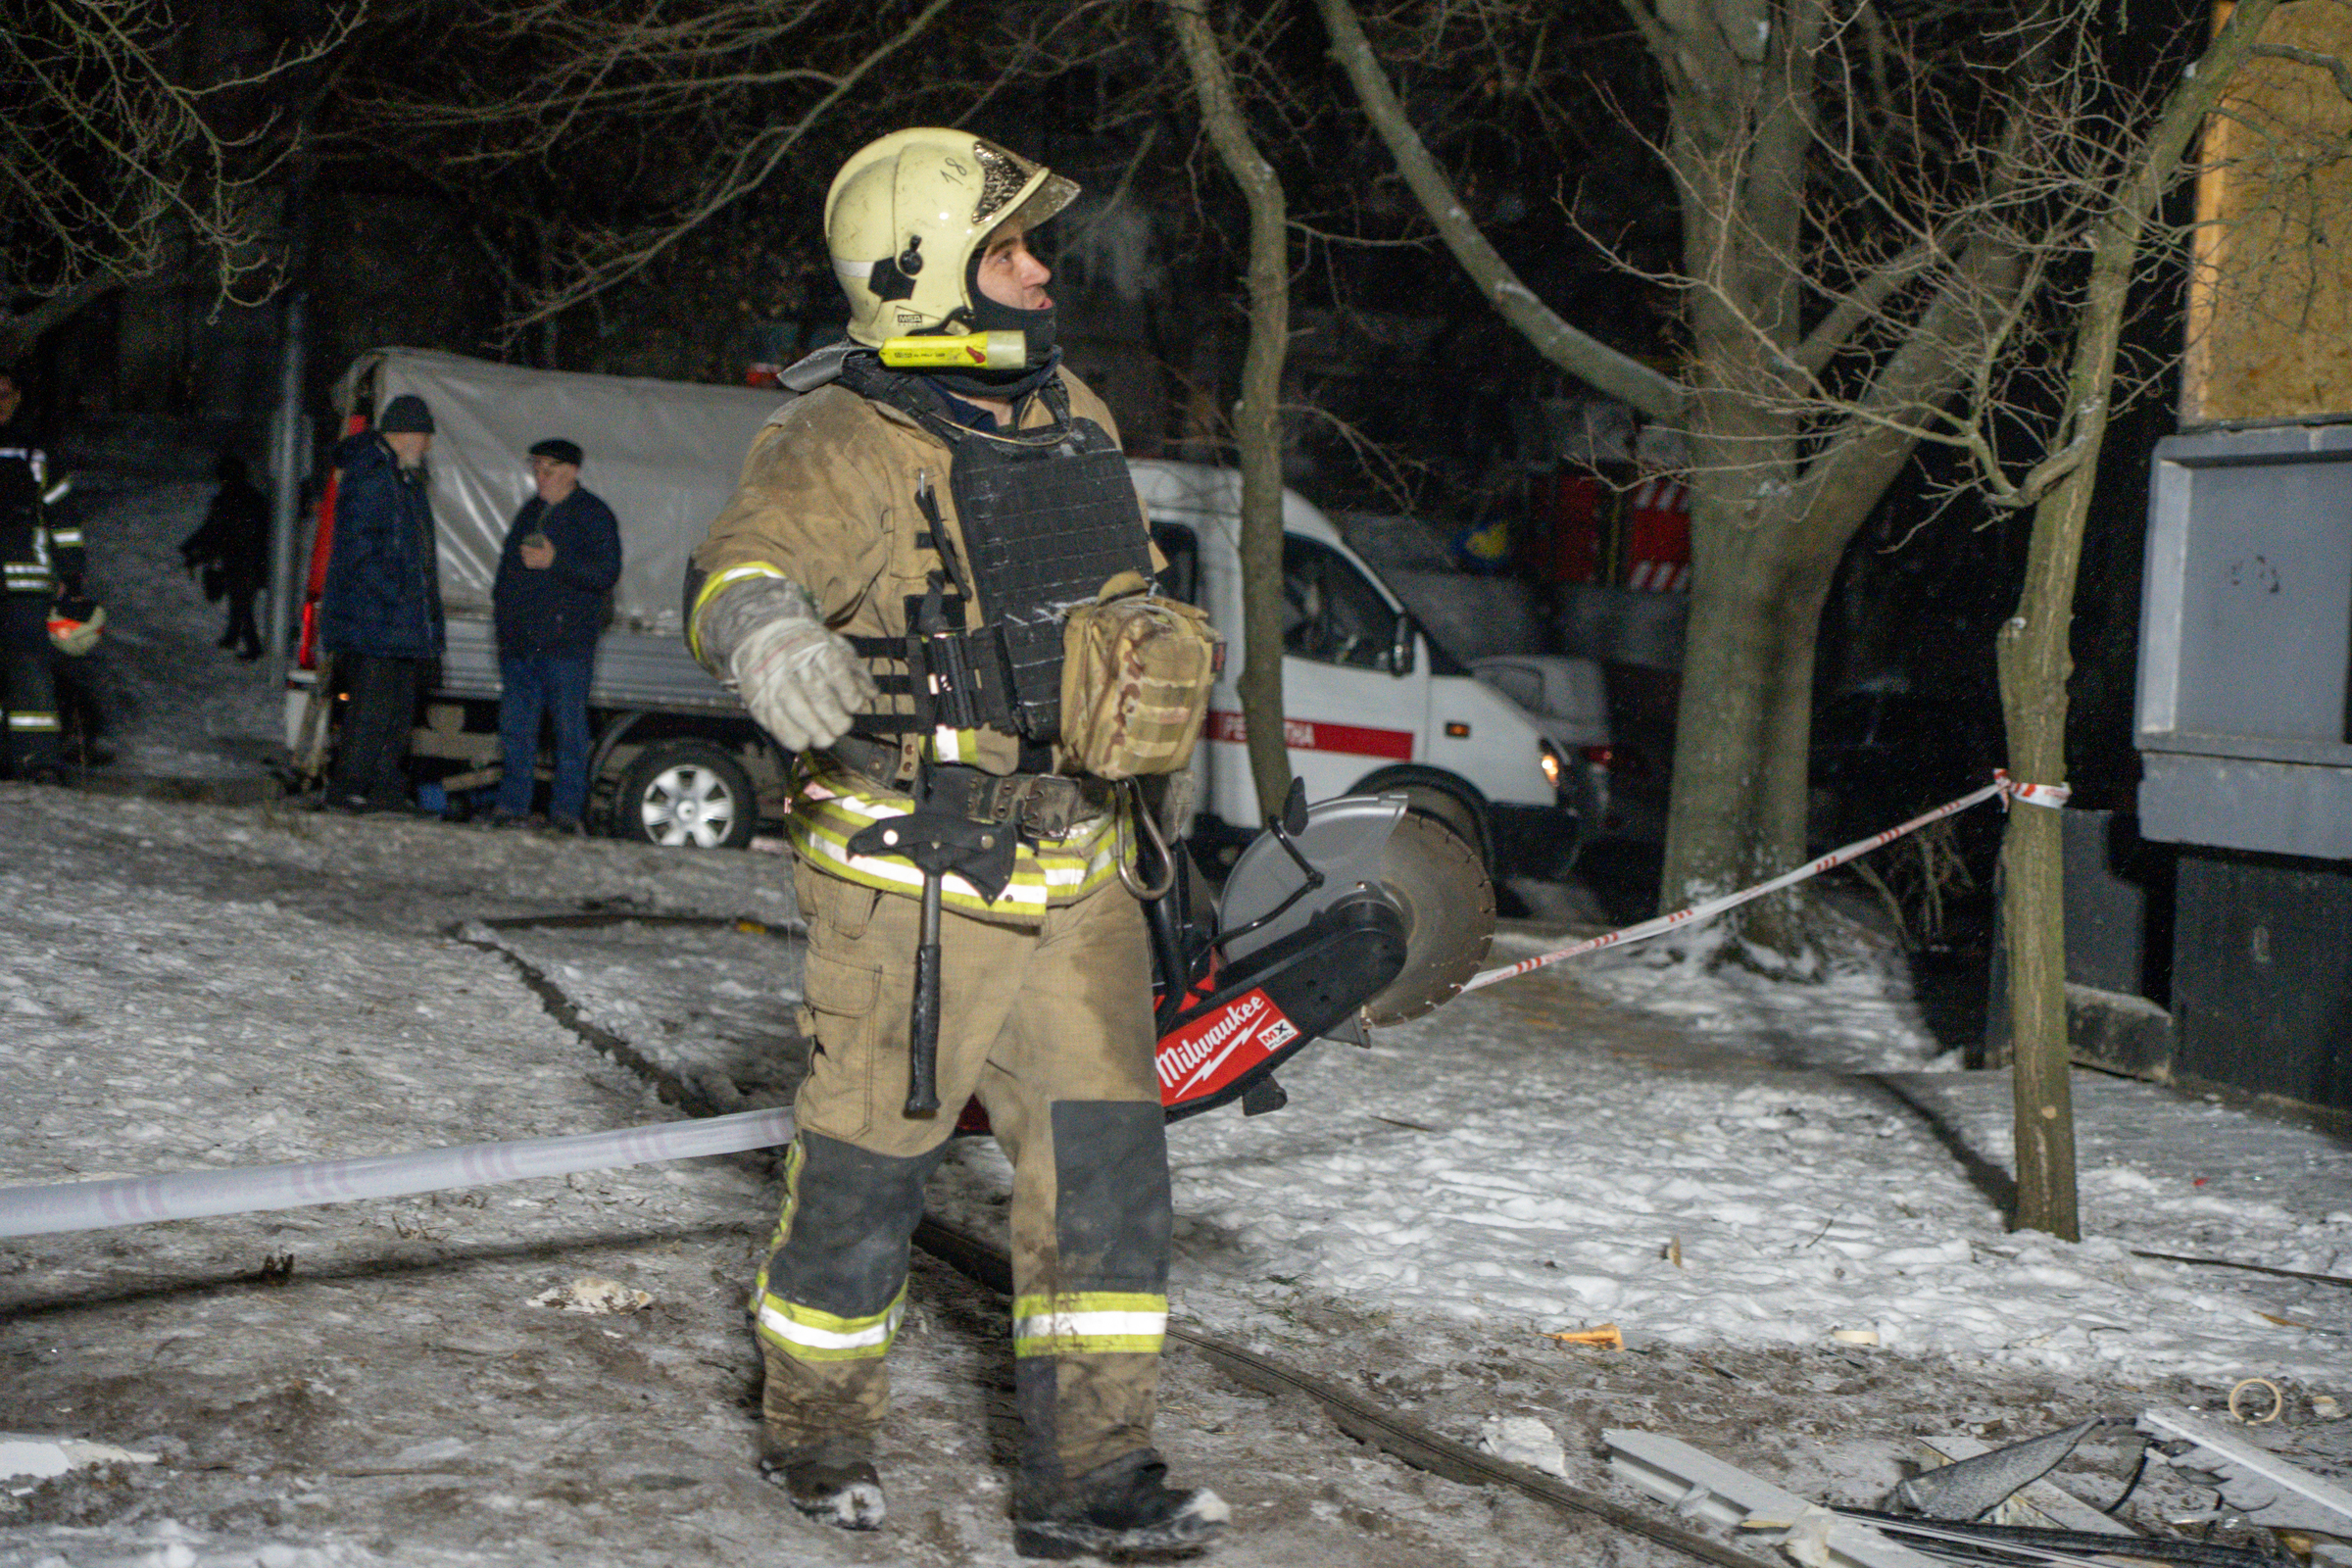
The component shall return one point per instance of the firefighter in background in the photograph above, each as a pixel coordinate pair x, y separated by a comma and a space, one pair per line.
876, 504
42, 565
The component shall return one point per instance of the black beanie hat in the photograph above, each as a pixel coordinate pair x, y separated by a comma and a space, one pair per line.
556, 447
406, 413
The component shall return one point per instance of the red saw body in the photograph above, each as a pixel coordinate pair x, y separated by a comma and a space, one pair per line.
1351, 913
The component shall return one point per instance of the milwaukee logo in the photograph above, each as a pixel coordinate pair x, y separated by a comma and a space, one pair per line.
1188, 1051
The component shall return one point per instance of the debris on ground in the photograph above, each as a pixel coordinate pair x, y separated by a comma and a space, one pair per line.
1601, 1336
2262, 1487
2038, 1503
1524, 1439
593, 1293
1699, 1485
1971, 1489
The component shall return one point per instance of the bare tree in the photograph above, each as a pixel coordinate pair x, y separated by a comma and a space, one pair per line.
1258, 415
125, 149
1787, 289
2087, 161
2114, 204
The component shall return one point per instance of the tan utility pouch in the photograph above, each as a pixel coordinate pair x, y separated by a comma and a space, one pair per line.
1136, 670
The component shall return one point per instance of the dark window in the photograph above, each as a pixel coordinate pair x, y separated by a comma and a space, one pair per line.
1329, 613
1180, 579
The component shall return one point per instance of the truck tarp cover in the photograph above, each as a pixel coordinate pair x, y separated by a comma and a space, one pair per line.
665, 456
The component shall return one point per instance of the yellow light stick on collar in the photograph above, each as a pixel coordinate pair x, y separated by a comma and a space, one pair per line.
974, 351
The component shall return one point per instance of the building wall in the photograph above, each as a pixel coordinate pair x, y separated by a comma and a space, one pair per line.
2270, 318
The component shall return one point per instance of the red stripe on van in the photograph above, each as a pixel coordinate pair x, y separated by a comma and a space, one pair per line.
1313, 735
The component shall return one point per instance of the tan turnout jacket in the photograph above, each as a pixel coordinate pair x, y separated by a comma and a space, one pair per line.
827, 500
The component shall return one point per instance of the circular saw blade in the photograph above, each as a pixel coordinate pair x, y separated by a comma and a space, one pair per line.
1448, 904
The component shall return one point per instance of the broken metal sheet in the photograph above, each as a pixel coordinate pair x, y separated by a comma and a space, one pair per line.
2258, 1484
1981, 1543
1973, 1488
2037, 1503
1699, 1485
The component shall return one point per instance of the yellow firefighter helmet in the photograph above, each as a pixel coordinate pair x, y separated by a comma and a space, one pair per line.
906, 214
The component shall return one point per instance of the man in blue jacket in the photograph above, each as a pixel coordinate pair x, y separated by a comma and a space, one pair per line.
562, 558
380, 615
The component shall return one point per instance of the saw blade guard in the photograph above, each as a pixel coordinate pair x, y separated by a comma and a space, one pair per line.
1362, 844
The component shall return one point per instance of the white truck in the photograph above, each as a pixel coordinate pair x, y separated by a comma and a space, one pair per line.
1371, 702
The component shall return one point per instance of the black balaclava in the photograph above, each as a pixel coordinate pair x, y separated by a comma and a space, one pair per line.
994, 316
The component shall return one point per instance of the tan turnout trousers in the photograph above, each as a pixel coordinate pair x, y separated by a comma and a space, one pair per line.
1051, 1026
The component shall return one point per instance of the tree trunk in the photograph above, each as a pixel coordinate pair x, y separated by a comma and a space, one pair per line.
1727, 691
1784, 796
1257, 416
2034, 659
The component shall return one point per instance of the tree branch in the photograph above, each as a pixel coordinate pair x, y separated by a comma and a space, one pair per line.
1860, 304
1586, 358
746, 173
2333, 64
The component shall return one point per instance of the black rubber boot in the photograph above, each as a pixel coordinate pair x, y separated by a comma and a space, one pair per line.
1122, 1509
833, 1483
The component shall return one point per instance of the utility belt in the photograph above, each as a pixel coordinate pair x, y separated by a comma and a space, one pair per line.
1041, 806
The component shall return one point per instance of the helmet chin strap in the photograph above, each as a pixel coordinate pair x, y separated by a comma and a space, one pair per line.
986, 315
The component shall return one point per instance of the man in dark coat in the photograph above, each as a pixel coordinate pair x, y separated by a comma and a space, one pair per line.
232, 548
562, 558
380, 615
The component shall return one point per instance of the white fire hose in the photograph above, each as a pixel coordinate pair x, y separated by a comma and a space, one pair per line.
198, 1194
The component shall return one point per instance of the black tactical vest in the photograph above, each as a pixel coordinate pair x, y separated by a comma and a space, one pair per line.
1048, 515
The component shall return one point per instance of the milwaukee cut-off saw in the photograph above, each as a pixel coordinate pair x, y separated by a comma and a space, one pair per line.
1349, 914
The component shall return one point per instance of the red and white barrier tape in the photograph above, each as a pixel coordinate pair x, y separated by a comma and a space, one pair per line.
2050, 794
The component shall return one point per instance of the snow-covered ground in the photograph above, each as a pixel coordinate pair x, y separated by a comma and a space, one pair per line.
1733, 1172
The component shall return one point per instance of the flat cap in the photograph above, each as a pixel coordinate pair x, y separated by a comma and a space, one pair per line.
556, 447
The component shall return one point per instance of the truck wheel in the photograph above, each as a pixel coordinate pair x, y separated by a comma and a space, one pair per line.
686, 794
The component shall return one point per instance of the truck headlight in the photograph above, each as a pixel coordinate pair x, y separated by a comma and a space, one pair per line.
1549, 760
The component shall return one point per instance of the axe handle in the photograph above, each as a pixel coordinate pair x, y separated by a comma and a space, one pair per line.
922, 1041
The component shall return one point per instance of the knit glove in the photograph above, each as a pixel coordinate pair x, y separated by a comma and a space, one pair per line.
802, 682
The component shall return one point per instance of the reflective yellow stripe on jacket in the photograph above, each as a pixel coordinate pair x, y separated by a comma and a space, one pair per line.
831, 805
1089, 1323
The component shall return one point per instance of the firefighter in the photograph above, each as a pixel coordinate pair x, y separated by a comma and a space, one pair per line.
42, 564
970, 505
